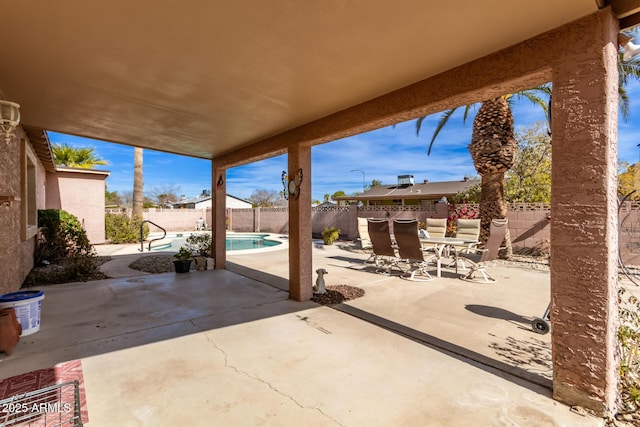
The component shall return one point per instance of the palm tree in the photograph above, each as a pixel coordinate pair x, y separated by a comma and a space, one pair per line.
138, 186
627, 70
493, 148
75, 157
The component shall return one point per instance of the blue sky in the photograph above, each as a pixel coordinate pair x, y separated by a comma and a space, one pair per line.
382, 154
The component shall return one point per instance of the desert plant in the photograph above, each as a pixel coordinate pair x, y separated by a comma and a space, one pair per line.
200, 244
119, 228
183, 254
330, 235
629, 348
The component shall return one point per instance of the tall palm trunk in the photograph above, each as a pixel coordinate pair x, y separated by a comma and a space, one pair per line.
493, 149
138, 186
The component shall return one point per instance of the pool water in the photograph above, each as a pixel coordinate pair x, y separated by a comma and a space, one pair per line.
233, 242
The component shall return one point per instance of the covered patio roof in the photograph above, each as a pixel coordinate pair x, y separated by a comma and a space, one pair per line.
207, 79
238, 82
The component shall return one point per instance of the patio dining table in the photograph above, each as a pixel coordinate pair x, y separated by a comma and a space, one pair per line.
440, 244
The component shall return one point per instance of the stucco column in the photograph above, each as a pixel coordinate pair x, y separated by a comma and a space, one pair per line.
584, 237
300, 245
218, 205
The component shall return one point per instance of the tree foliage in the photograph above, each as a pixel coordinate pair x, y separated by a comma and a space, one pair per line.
164, 194
628, 70
529, 180
374, 183
266, 198
629, 180
338, 193
112, 198
75, 157
472, 195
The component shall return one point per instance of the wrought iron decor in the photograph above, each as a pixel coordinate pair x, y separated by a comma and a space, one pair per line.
291, 185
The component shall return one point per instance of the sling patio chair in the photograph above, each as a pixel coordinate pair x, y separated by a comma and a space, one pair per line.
436, 227
383, 249
364, 239
480, 257
410, 249
469, 231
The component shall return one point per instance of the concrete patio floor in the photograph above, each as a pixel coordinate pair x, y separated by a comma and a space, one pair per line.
227, 347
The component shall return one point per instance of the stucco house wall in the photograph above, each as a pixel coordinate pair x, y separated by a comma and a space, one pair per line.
81, 193
16, 249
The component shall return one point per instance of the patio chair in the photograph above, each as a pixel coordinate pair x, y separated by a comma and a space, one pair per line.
467, 229
436, 227
383, 250
410, 250
480, 257
364, 239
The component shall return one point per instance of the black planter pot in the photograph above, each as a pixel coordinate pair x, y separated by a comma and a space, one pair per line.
182, 266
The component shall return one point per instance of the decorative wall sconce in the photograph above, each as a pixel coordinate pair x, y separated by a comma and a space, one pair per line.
9, 118
292, 185
220, 182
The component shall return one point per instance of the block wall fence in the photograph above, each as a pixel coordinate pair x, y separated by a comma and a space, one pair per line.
529, 223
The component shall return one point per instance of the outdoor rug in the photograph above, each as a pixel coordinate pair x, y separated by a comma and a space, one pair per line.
41, 379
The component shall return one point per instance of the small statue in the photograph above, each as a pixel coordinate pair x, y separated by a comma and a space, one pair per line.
319, 288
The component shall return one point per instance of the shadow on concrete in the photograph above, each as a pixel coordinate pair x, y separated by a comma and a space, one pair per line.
497, 313
481, 361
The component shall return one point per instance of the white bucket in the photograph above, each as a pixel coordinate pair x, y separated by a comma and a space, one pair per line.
27, 307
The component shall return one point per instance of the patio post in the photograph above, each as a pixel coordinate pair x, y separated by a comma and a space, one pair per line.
300, 245
219, 203
584, 229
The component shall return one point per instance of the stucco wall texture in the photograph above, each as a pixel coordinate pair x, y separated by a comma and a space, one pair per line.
16, 255
81, 193
585, 218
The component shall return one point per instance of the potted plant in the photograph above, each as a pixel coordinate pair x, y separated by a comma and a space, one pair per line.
200, 245
182, 261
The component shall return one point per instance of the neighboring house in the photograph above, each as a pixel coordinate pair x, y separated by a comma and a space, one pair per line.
204, 201
406, 192
327, 205
29, 181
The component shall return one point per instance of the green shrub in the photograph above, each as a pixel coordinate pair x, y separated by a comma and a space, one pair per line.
119, 228
61, 236
330, 235
63, 243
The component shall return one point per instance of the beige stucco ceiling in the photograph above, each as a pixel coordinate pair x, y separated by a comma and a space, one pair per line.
203, 78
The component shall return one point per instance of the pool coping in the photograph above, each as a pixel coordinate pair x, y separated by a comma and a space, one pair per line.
134, 248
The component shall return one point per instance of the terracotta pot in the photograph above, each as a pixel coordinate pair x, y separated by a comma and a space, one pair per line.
8, 334
12, 314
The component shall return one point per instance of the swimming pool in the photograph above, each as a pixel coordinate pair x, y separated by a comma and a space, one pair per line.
234, 242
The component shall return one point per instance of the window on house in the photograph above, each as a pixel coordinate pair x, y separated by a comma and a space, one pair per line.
29, 209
